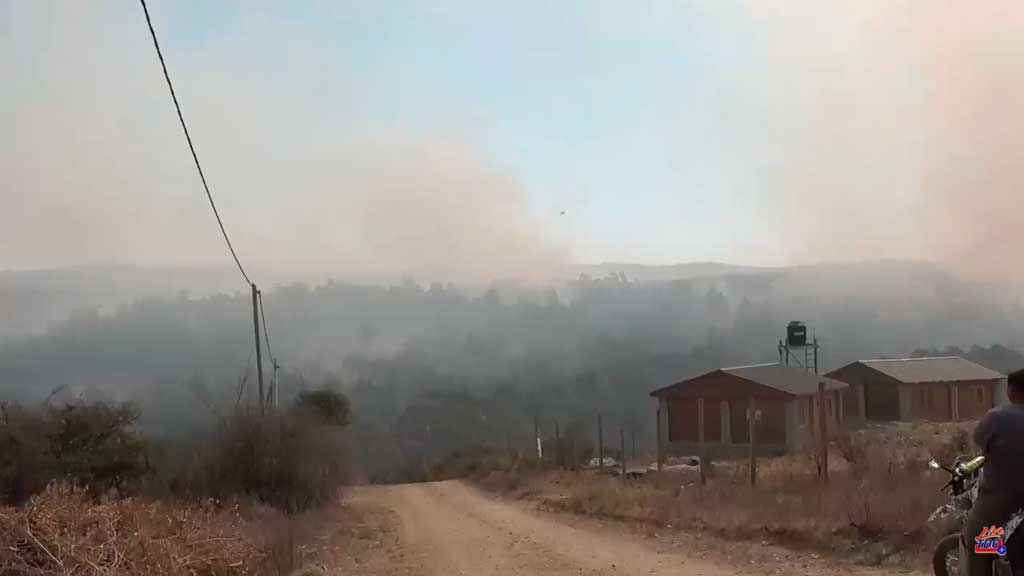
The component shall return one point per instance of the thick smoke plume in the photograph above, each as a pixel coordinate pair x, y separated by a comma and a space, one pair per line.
883, 129
97, 170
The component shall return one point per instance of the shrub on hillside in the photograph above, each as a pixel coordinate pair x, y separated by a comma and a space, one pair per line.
292, 460
328, 406
94, 445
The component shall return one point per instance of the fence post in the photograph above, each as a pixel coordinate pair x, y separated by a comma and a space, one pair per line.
600, 444
700, 440
559, 460
658, 427
536, 440
823, 434
572, 452
752, 424
622, 450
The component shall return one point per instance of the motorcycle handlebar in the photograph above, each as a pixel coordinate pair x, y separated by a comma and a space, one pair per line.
970, 466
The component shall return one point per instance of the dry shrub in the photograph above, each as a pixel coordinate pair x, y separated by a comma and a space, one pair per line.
62, 531
875, 505
89, 444
477, 461
290, 461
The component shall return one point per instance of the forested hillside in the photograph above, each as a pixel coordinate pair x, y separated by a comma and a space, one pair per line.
434, 367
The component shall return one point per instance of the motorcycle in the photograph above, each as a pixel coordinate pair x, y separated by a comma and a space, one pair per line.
965, 478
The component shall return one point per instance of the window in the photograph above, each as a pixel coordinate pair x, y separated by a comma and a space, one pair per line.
829, 407
981, 393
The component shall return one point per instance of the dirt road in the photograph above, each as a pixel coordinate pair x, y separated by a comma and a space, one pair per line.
450, 528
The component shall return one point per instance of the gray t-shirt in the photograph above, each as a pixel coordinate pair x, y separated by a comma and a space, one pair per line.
1000, 435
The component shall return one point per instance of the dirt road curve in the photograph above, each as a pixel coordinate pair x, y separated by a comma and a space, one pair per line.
449, 528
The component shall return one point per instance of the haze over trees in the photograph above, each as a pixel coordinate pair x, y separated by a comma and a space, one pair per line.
429, 367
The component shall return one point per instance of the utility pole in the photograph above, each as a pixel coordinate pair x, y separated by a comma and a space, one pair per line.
256, 332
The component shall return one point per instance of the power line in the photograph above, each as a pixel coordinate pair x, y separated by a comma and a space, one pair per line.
195, 158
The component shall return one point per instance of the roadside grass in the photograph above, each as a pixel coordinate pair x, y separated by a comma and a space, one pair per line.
873, 510
64, 531
82, 491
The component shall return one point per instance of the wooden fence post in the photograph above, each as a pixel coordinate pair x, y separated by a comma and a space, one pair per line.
559, 460
822, 434
572, 452
658, 426
536, 440
622, 450
700, 440
752, 424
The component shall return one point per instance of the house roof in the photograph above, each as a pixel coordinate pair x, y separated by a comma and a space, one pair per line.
940, 369
795, 381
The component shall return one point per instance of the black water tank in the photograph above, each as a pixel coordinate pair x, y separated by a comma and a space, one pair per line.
796, 334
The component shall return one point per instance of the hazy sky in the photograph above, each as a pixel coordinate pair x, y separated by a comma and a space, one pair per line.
445, 139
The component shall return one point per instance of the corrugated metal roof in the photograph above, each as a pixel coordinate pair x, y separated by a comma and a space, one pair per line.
795, 381
940, 369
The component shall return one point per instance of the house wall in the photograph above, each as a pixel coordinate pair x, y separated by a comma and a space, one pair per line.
947, 401
805, 411
931, 401
976, 398
732, 412
726, 399
905, 403
879, 396
884, 398
662, 422
1001, 396
853, 403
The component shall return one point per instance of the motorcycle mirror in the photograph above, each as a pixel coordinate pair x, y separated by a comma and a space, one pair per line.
933, 464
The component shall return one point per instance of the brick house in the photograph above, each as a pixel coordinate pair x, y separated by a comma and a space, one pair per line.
785, 397
941, 389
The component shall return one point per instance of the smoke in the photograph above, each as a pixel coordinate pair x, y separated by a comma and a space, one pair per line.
805, 132
97, 170
865, 130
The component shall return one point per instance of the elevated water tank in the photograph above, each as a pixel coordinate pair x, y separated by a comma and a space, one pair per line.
796, 334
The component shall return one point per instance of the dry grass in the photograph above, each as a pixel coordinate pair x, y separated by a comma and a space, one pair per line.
62, 531
873, 509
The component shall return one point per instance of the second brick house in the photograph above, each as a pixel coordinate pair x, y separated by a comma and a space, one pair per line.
946, 388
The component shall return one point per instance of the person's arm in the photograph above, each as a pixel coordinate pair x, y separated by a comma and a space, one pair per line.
983, 431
